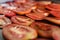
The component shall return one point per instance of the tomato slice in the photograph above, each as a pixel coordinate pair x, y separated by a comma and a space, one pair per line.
4, 21
53, 7
20, 32
44, 2
36, 16
25, 8
22, 20
55, 13
7, 12
21, 8
43, 29
53, 20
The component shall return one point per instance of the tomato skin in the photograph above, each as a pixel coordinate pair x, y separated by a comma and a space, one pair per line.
18, 32
20, 9
25, 9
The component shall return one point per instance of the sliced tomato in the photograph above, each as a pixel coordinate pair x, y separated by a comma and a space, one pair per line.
43, 29
20, 8
53, 7
25, 8
55, 13
20, 32
37, 16
7, 12
44, 2
53, 20
4, 21
22, 20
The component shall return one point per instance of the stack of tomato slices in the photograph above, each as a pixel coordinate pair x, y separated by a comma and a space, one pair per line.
29, 20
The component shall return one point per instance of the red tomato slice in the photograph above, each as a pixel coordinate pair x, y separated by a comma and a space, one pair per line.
20, 32
22, 20
44, 2
53, 7
37, 16
21, 8
4, 21
43, 29
7, 12
55, 13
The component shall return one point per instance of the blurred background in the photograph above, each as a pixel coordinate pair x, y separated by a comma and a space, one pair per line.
2, 1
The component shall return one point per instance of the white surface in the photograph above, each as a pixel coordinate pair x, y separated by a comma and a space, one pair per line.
1, 37
1, 1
